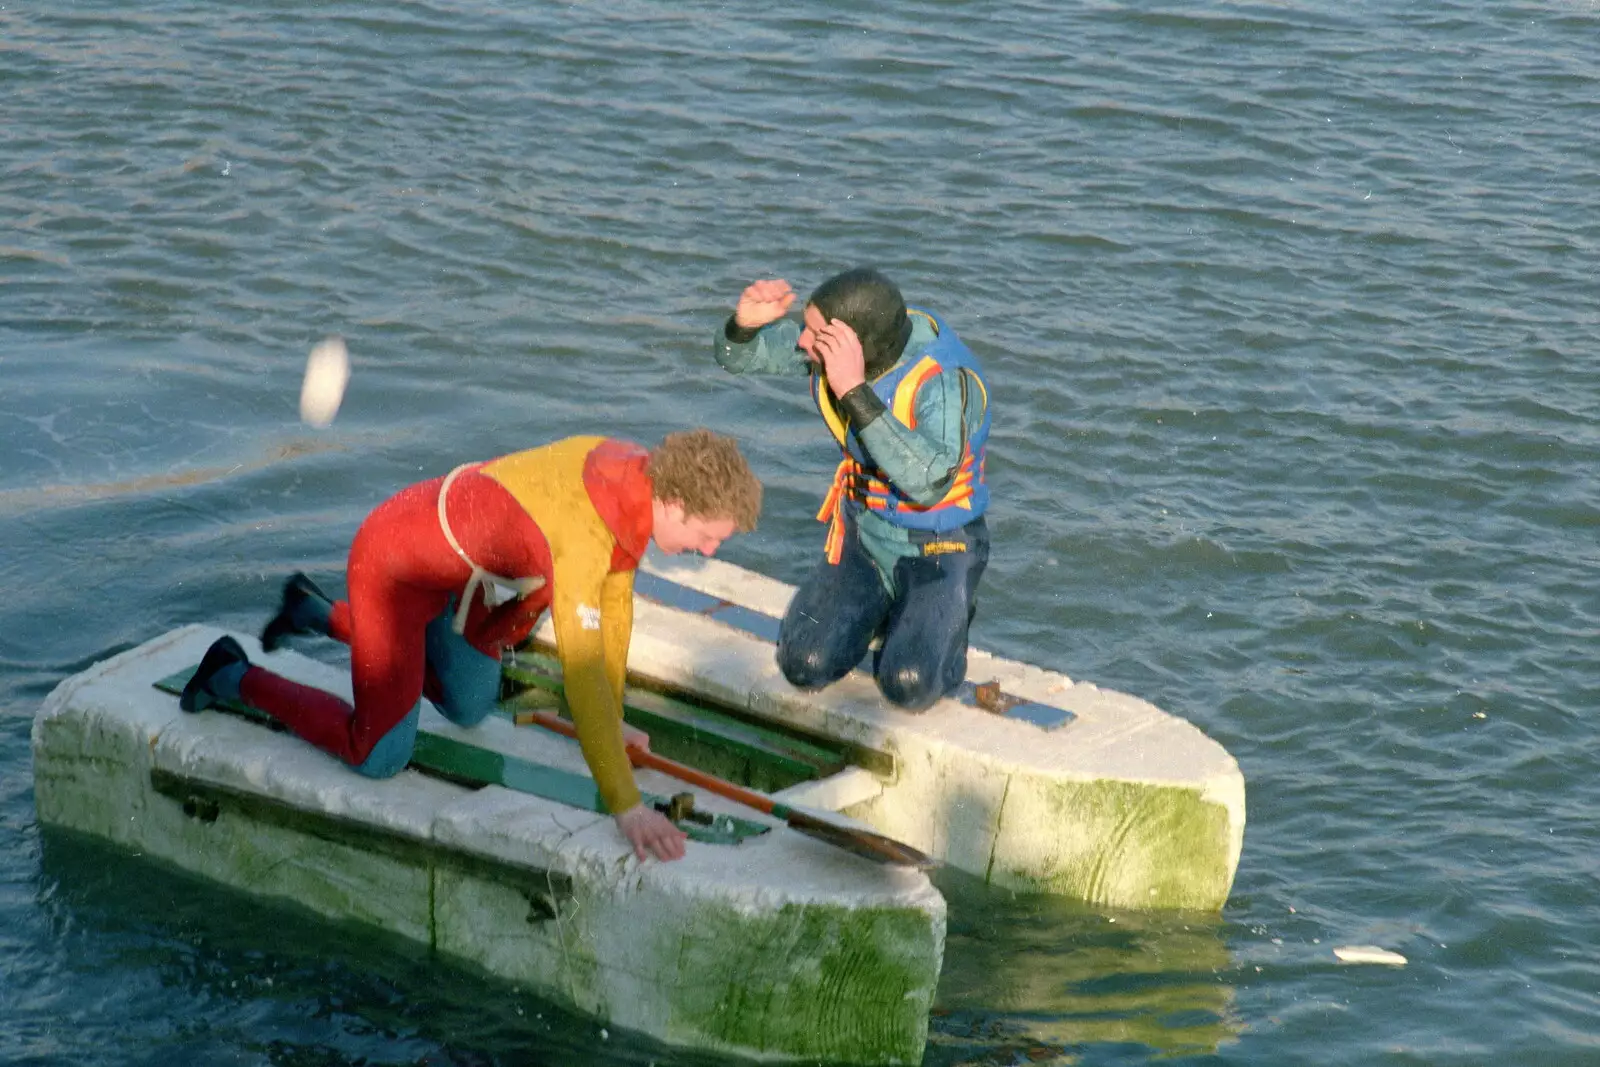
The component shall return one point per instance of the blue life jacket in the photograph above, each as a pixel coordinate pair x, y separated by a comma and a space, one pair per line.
856, 478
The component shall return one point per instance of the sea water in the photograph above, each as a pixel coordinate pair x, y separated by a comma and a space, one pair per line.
1290, 315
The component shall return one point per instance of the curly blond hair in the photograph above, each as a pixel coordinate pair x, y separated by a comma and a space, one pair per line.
704, 473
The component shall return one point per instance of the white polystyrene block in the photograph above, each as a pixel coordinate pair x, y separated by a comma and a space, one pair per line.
1121, 805
523, 887
844, 789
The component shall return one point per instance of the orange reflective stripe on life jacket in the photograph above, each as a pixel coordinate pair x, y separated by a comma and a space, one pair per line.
898, 390
905, 394
832, 511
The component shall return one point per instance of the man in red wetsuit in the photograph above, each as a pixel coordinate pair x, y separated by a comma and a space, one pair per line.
447, 573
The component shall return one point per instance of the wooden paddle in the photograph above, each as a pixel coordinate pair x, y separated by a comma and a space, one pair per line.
853, 839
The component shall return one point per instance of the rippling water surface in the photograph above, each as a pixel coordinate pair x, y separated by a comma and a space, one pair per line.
1291, 314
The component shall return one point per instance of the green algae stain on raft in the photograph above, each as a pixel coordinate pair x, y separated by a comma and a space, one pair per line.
1129, 844
867, 1000
777, 947
1109, 800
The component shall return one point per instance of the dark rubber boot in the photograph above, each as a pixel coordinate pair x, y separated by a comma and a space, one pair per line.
217, 677
304, 610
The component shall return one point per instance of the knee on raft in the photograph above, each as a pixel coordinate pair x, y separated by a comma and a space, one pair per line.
806, 668
908, 687
391, 752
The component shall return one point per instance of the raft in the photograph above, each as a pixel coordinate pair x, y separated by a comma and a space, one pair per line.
1023, 777
493, 850
771, 946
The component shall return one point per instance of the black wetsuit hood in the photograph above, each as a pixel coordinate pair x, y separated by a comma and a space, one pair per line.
875, 310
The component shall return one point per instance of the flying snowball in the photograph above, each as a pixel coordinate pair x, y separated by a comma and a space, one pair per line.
1369, 954
327, 373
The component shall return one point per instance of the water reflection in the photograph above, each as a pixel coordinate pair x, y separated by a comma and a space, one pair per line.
1037, 979
35, 497
1026, 980
244, 974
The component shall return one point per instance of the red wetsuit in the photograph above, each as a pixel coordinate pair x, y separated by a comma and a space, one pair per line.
593, 502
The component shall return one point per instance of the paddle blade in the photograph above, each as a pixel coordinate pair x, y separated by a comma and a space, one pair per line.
863, 843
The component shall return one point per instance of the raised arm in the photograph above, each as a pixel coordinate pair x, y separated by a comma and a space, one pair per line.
756, 338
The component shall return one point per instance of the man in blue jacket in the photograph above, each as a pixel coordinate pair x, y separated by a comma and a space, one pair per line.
907, 403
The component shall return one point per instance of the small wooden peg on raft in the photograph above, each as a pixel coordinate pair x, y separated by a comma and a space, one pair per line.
989, 697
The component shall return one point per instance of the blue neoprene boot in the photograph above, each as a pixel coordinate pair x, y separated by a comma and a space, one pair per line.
218, 676
305, 610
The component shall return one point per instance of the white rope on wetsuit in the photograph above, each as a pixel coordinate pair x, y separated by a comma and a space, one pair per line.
487, 581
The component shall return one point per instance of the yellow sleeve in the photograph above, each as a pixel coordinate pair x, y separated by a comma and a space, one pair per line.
593, 651
616, 629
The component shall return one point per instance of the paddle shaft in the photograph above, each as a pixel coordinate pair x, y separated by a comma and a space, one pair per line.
861, 842
641, 757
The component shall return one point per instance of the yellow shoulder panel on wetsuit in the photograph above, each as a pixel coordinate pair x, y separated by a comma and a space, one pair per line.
586, 609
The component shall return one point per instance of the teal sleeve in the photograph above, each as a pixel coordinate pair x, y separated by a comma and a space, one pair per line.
771, 351
922, 463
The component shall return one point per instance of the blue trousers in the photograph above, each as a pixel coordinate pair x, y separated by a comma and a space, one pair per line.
836, 613
470, 689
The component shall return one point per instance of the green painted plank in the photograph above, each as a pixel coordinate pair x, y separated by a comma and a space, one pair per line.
475, 766
792, 752
455, 759
840, 753
705, 752
795, 756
